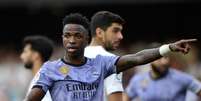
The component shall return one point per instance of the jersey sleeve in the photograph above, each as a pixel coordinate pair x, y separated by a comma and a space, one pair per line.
131, 89
108, 64
43, 78
194, 85
113, 84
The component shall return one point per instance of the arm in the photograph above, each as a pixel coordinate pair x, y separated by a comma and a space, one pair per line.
117, 96
36, 94
41, 84
113, 87
195, 86
142, 57
128, 61
192, 84
126, 98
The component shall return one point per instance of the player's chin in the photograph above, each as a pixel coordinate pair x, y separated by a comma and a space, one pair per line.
73, 52
115, 46
112, 48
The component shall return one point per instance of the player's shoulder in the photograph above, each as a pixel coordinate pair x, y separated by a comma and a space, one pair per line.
103, 57
97, 50
179, 75
100, 59
52, 63
96, 58
139, 76
115, 77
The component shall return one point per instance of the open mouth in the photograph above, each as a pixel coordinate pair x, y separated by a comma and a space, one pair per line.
72, 49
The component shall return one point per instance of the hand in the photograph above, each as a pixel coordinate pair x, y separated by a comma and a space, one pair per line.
181, 45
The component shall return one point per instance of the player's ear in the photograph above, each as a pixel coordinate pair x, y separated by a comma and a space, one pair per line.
36, 55
99, 32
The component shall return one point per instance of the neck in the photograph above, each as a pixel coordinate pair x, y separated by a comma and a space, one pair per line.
77, 60
96, 42
156, 74
36, 66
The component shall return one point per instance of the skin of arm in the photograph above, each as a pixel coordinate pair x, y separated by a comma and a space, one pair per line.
126, 98
148, 55
117, 96
36, 94
145, 56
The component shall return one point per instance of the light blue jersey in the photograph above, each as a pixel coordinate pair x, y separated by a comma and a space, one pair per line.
172, 87
67, 82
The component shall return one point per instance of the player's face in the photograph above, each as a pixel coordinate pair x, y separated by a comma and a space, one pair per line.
113, 36
26, 56
75, 39
161, 65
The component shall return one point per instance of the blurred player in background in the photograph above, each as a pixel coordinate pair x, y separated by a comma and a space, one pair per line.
78, 78
162, 83
106, 33
37, 50
3, 96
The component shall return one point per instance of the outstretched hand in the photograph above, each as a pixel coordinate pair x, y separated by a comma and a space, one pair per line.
182, 45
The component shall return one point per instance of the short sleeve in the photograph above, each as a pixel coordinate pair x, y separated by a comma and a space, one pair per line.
113, 84
108, 63
131, 89
43, 78
194, 85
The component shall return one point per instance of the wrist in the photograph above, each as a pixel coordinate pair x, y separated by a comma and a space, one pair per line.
171, 47
164, 50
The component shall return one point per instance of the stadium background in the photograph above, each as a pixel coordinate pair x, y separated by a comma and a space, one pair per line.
147, 21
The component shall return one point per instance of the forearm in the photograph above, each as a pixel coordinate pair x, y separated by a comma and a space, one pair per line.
149, 55
145, 56
36, 94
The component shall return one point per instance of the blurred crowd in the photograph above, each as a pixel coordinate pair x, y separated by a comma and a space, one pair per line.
14, 79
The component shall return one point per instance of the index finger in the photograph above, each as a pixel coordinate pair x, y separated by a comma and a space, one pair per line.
190, 40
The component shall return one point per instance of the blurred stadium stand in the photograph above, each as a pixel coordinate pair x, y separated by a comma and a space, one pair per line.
166, 20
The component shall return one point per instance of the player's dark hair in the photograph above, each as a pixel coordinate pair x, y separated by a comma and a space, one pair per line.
41, 44
104, 19
77, 18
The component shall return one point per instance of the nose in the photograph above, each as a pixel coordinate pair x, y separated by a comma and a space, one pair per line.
21, 56
120, 36
72, 40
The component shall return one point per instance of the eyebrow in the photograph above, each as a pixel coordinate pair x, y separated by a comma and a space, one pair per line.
117, 28
78, 28
75, 32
